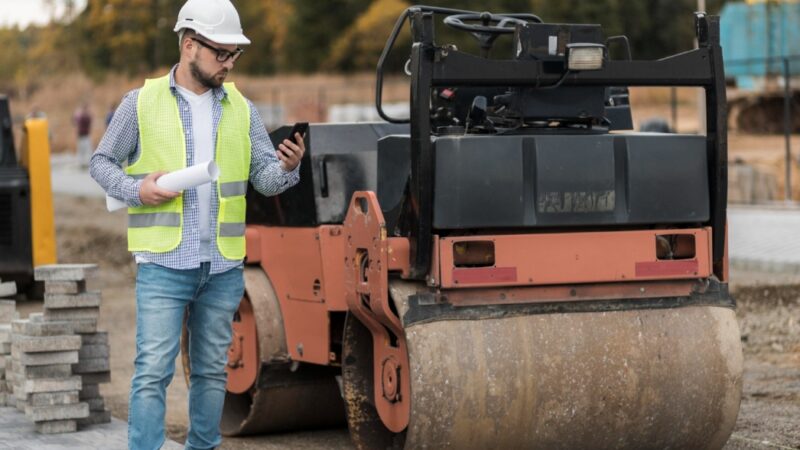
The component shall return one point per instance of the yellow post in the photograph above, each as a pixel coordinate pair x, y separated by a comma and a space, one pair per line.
36, 158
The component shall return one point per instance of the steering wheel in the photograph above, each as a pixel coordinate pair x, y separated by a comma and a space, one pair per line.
490, 23
490, 26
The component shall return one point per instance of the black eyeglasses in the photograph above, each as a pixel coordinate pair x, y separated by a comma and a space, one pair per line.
222, 55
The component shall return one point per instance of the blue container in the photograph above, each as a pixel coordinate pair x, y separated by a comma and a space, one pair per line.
755, 36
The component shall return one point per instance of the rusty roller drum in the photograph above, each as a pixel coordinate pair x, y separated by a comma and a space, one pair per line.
655, 378
282, 397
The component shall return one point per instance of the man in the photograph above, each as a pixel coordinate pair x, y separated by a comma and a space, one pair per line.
189, 247
82, 119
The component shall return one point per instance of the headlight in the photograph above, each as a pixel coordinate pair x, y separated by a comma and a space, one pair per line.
585, 56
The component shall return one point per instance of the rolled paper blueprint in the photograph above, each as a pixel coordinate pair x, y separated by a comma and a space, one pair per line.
177, 181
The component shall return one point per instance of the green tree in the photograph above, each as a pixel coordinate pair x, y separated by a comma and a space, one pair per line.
314, 26
360, 47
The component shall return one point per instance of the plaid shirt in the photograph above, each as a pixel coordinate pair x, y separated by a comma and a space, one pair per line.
120, 144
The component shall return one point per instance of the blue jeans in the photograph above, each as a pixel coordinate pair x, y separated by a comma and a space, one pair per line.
162, 296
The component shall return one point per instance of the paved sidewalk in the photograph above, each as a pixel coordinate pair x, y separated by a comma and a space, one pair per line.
18, 433
764, 238
68, 177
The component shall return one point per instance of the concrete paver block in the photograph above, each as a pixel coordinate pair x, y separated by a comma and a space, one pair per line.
46, 358
35, 344
72, 313
5, 332
28, 328
7, 310
64, 272
36, 317
100, 337
53, 398
5, 348
82, 300
84, 326
57, 412
95, 418
93, 351
51, 385
95, 378
91, 365
8, 289
89, 391
57, 426
48, 371
64, 287
96, 404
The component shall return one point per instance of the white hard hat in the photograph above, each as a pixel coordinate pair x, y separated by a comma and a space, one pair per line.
216, 20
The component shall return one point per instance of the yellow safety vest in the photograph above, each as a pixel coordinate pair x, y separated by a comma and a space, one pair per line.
158, 229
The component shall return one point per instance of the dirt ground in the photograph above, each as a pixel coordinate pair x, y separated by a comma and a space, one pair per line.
769, 317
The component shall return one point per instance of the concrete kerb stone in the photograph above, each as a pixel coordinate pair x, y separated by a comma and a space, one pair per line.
62, 301
64, 272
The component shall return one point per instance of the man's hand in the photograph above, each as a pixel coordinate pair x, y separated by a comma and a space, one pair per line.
151, 194
290, 153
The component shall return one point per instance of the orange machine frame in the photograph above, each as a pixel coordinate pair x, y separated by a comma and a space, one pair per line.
306, 267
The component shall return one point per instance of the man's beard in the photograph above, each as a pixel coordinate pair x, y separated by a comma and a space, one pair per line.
209, 81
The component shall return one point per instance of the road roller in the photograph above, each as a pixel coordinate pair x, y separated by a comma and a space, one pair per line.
509, 266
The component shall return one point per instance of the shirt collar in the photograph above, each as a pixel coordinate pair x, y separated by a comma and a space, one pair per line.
219, 93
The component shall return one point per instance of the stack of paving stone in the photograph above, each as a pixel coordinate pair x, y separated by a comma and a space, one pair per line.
93, 368
7, 314
67, 298
42, 355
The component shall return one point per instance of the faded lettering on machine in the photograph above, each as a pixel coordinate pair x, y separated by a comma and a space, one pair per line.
576, 202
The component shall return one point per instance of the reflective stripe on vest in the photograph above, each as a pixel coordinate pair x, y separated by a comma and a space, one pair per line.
159, 229
233, 189
154, 220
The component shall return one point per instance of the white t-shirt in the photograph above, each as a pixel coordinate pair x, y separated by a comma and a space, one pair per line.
202, 129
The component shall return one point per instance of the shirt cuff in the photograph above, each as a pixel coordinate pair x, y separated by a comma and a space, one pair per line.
131, 194
292, 177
